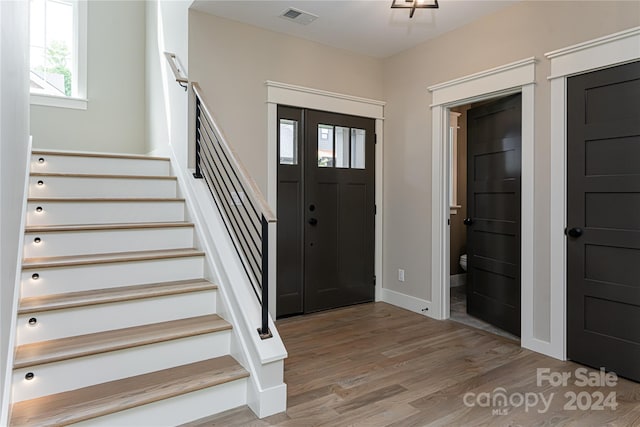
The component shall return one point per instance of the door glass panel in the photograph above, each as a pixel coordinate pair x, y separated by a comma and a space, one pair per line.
325, 146
288, 142
358, 137
342, 147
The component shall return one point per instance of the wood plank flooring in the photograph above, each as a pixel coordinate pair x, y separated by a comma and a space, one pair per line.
378, 365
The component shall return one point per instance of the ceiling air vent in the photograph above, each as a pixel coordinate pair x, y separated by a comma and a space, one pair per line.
298, 16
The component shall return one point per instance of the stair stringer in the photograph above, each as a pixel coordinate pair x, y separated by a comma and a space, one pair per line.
7, 376
264, 359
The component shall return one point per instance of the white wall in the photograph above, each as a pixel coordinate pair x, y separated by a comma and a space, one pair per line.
115, 117
167, 103
528, 29
14, 137
231, 61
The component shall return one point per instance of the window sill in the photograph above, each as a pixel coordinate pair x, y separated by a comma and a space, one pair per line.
59, 101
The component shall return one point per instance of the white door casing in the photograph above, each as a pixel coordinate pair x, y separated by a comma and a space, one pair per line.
510, 78
603, 52
315, 99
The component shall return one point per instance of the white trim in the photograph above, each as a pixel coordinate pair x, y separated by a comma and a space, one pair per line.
511, 78
497, 79
408, 302
58, 101
316, 99
303, 97
603, 52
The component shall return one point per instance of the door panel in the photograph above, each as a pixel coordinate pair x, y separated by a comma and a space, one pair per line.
290, 279
340, 210
493, 196
603, 188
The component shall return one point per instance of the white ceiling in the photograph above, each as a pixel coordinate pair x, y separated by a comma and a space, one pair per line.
368, 27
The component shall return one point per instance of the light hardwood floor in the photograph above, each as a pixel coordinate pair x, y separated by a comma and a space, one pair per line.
379, 365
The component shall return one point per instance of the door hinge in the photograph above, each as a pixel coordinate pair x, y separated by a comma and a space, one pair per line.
375, 209
374, 280
376, 138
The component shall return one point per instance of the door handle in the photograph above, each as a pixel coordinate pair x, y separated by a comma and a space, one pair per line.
313, 221
575, 232
467, 221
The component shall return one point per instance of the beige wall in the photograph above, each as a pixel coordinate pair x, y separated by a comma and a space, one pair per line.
231, 61
521, 31
115, 117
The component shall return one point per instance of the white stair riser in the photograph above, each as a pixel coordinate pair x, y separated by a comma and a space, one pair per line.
85, 371
54, 186
67, 243
178, 410
83, 278
99, 165
104, 317
70, 213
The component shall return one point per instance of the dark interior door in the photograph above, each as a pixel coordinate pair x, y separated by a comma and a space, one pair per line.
493, 202
603, 218
339, 210
290, 246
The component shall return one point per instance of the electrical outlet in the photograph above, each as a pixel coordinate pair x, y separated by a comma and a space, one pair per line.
400, 275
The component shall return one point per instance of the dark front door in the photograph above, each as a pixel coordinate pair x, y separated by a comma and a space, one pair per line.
603, 218
326, 210
493, 202
339, 210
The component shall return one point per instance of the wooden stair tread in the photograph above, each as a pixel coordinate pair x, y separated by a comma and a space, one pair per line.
101, 342
100, 176
97, 154
92, 227
77, 260
104, 199
106, 398
103, 296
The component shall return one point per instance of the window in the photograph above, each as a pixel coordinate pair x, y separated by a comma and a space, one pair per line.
347, 152
58, 53
288, 142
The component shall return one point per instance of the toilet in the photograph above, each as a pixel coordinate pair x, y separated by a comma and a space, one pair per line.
463, 261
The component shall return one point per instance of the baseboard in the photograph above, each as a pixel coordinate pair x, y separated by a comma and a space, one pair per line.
456, 280
408, 302
267, 402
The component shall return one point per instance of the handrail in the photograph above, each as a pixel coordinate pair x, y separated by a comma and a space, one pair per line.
177, 72
254, 190
245, 212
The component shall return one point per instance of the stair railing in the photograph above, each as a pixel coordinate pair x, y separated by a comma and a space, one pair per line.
244, 210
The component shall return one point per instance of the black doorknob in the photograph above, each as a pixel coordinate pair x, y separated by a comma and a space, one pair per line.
313, 221
467, 221
575, 232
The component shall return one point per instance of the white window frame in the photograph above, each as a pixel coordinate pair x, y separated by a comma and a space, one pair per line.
80, 101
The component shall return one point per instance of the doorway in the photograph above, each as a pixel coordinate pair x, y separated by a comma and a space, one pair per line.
326, 206
603, 207
485, 221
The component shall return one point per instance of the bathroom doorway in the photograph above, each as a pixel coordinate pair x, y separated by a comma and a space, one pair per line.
485, 169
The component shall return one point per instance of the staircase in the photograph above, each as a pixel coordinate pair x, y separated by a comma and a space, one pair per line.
116, 323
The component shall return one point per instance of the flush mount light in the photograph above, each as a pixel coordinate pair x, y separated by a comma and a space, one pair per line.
414, 4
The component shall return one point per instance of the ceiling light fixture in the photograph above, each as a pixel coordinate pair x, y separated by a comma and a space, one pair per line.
414, 4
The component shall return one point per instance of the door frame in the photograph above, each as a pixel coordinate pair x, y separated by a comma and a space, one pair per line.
315, 99
603, 52
508, 79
